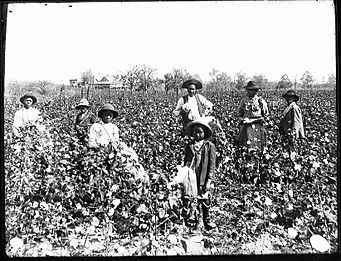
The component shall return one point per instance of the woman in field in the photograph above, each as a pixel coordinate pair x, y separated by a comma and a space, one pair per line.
27, 118
84, 120
193, 105
291, 124
200, 155
252, 111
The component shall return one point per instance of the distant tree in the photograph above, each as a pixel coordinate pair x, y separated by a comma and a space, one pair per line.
174, 79
88, 79
260, 79
307, 80
240, 80
331, 82
219, 80
139, 78
284, 82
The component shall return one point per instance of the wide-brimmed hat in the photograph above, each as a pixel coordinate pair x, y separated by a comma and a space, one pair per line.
198, 85
291, 93
203, 123
252, 85
28, 95
83, 103
107, 107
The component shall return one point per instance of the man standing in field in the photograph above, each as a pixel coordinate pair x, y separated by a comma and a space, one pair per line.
27, 117
291, 124
193, 105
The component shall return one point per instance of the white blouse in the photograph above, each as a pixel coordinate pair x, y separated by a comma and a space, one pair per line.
102, 134
25, 117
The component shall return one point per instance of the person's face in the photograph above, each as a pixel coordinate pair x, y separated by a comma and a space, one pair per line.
107, 116
191, 90
83, 109
251, 93
289, 99
198, 132
28, 102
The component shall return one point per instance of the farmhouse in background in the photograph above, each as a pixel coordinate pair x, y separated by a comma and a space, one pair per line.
108, 82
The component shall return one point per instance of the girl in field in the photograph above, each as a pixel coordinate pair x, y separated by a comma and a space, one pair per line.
106, 133
193, 105
27, 118
252, 112
200, 155
84, 120
291, 124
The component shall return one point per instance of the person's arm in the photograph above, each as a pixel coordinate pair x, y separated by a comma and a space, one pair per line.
178, 109
93, 137
206, 103
116, 134
297, 123
17, 123
188, 155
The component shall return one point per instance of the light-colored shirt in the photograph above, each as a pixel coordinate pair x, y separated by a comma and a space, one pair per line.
25, 117
193, 106
101, 134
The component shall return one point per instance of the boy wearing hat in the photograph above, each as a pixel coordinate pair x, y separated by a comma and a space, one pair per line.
193, 105
27, 116
200, 155
291, 124
84, 120
106, 133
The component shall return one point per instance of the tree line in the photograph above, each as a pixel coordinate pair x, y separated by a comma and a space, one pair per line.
143, 78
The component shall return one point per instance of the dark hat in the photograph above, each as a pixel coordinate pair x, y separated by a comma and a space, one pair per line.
203, 123
83, 103
252, 85
107, 107
198, 85
291, 93
28, 95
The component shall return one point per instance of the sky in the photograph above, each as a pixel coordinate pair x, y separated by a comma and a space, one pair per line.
57, 42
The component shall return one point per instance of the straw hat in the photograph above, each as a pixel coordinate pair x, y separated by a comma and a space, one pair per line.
83, 103
198, 85
291, 93
107, 107
28, 95
203, 123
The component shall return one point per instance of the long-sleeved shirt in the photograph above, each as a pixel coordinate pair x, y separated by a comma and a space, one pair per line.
193, 105
101, 134
203, 160
292, 121
25, 117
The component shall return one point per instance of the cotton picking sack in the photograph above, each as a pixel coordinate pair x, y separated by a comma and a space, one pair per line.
189, 181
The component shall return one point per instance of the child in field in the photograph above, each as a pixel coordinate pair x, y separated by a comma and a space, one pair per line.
84, 120
27, 117
200, 155
105, 133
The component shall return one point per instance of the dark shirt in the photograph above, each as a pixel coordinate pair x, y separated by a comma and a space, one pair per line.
205, 168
